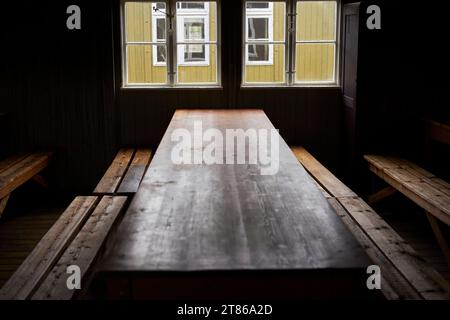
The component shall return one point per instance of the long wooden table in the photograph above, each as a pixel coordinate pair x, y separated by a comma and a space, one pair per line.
226, 231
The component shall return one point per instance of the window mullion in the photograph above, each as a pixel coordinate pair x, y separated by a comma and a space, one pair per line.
171, 42
291, 35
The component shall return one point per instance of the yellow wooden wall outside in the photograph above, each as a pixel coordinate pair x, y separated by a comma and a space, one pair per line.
276, 71
140, 68
315, 21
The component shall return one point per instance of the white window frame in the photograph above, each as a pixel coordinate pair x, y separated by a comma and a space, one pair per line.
155, 16
259, 13
182, 15
290, 42
171, 45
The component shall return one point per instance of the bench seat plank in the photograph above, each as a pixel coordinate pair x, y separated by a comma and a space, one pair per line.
83, 251
113, 176
22, 171
327, 180
8, 162
422, 188
47, 252
135, 172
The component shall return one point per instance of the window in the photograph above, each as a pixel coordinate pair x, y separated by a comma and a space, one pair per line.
193, 33
152, 29
259, 33
159, 33
288, 47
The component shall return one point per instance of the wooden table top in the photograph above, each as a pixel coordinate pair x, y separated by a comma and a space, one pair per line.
229, 217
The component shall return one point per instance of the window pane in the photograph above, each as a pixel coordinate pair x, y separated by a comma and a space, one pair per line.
143, 68
272, 71
257, 5
259, 52
159, 6
160, 29
138, 21
161, 54
194, 53
196, 70
315, 62
258, 28
194, 29
316, 20
190, 5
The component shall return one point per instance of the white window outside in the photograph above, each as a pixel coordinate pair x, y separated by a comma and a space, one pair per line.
192, 33
159, 33
259, 33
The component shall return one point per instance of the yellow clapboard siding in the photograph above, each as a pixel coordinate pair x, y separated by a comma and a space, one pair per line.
140, 66
316, 21
315, 62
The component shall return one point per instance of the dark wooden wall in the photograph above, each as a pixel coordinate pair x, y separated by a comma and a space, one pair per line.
403, 80
62, 91
57, 86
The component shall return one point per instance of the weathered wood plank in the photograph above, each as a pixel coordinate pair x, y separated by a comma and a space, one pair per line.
402, 256
432, 200
36, 266
409, 170
394, 285
325, 178
22, 171
230, 218
83, 251
113, 176
8, 162
135, 172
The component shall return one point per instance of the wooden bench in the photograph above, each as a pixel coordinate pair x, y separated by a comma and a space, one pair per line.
17, 170
125, 173
420, 186
76, 238
404, 274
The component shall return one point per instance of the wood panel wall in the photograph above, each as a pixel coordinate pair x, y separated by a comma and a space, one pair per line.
58, 87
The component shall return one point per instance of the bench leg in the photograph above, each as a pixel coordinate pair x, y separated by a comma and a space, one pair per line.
439, 236
40, 180
3, 203
380, 195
